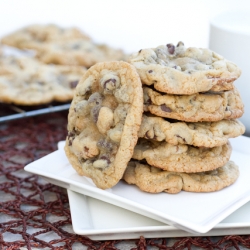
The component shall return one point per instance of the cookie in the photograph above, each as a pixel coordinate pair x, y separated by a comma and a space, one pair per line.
184, 71
209, 106
181, 158
34, 36
25, 81
103, 122
154, 180
199, 134
78, 52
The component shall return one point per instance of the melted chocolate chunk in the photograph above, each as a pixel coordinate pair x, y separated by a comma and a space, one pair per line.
165, 108
171, 48
71, 137
112, 81
95, 98
104, 157
95, 112
104, 144
150, 71
73, 84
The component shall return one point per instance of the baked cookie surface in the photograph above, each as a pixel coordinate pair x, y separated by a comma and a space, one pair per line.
154, 180
34, 36
209, 106
78, 52
26, 81
103, 122
179, 70
181, 158
199, 134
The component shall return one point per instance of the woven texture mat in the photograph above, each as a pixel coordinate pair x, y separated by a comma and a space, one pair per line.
35, 214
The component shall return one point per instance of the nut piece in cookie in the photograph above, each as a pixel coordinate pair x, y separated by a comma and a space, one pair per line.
103, 122
154, 180
181, 158
179, 70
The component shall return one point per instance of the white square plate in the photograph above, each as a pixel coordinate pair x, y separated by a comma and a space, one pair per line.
100, 220
193, 212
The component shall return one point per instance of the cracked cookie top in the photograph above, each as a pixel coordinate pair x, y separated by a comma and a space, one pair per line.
103, 122
180, 70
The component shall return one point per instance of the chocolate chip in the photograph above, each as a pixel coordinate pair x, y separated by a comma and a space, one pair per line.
171, 48
73, 84
104, 144
103, 157
86, 149
95, 98
181, 138
148, 101
165, 108
95, 112
112, 84
71, 137
76, 46
139, 51
150, 71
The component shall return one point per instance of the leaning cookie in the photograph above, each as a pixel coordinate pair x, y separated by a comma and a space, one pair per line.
154, 180
25, 81
34, 36
209, 106
179, 70
103, 122
78, 52
199, 134
181, 158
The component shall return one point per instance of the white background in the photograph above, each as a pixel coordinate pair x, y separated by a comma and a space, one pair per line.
127, 24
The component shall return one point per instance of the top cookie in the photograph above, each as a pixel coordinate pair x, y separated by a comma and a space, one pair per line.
184, 71
34, 36
103, 122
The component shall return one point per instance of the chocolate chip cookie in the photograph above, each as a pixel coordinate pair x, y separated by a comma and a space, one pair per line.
103, 122
155, 180
184, 71
199, 134
209, 106
181, 158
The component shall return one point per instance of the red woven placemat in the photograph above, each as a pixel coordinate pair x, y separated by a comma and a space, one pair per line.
33, 211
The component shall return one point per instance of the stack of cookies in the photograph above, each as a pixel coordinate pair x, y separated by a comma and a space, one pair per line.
161, 122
